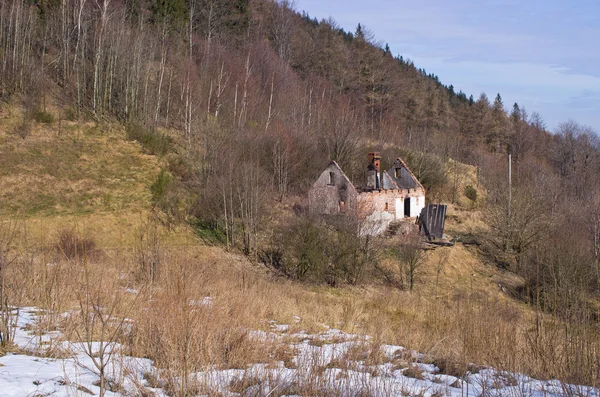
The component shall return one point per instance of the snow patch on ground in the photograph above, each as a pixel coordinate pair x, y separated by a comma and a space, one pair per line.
334, 361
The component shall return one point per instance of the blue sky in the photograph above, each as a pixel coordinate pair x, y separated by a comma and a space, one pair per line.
545, 55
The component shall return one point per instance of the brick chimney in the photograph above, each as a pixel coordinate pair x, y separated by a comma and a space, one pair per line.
374, 171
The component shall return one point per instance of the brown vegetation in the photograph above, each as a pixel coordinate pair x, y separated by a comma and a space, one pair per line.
202, 306
230, 110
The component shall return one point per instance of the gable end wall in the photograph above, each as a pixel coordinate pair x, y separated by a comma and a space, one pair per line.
324, 198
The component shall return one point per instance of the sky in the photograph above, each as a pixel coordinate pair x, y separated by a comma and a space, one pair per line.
542, 54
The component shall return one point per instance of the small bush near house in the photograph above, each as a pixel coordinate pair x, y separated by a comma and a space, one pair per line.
160, 185
313, 251
152, 142
70, 114
43, 117
471, 193
210, 232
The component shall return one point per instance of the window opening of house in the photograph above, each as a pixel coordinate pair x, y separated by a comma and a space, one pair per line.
398, 173
387, 207
331, 179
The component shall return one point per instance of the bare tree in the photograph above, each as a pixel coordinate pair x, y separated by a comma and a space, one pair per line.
411, 257
103, 8
593, 231
148, 250
102, 319
440, 263
282, 23
513, 233
342, 138
8, 256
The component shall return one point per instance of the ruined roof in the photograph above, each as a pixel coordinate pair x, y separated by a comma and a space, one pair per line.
400, 162
342, 173
388, 182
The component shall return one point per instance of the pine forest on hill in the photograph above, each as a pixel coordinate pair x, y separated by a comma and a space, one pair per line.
212, 118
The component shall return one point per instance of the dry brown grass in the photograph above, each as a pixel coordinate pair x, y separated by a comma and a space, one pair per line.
172, 326
465, 272
464, 223
85, 168
414, 372
464, 318
460, 176
88, 177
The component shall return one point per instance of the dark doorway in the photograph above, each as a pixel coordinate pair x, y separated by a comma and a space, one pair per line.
407, 207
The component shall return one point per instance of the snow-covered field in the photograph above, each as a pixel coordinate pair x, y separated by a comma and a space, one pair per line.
331, 363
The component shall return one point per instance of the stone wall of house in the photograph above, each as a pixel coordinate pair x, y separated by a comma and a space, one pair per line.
376, 223
378, 201
417, 201
379, 208
391, 201
332, 192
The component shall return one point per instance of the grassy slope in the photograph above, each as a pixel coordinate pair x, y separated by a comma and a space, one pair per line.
90, 177
79, 175
74, 173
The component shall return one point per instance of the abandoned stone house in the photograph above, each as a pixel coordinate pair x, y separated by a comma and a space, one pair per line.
386, 196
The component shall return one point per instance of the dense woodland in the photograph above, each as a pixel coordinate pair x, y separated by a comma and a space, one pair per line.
247, 101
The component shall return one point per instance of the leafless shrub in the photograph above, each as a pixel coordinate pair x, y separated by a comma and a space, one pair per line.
413, 371
449, 363
72, 245
8, 256
410, 256
101, 318
23, 129
148, 250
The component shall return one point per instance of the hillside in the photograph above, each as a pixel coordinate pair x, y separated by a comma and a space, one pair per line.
157, 156
451, 279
